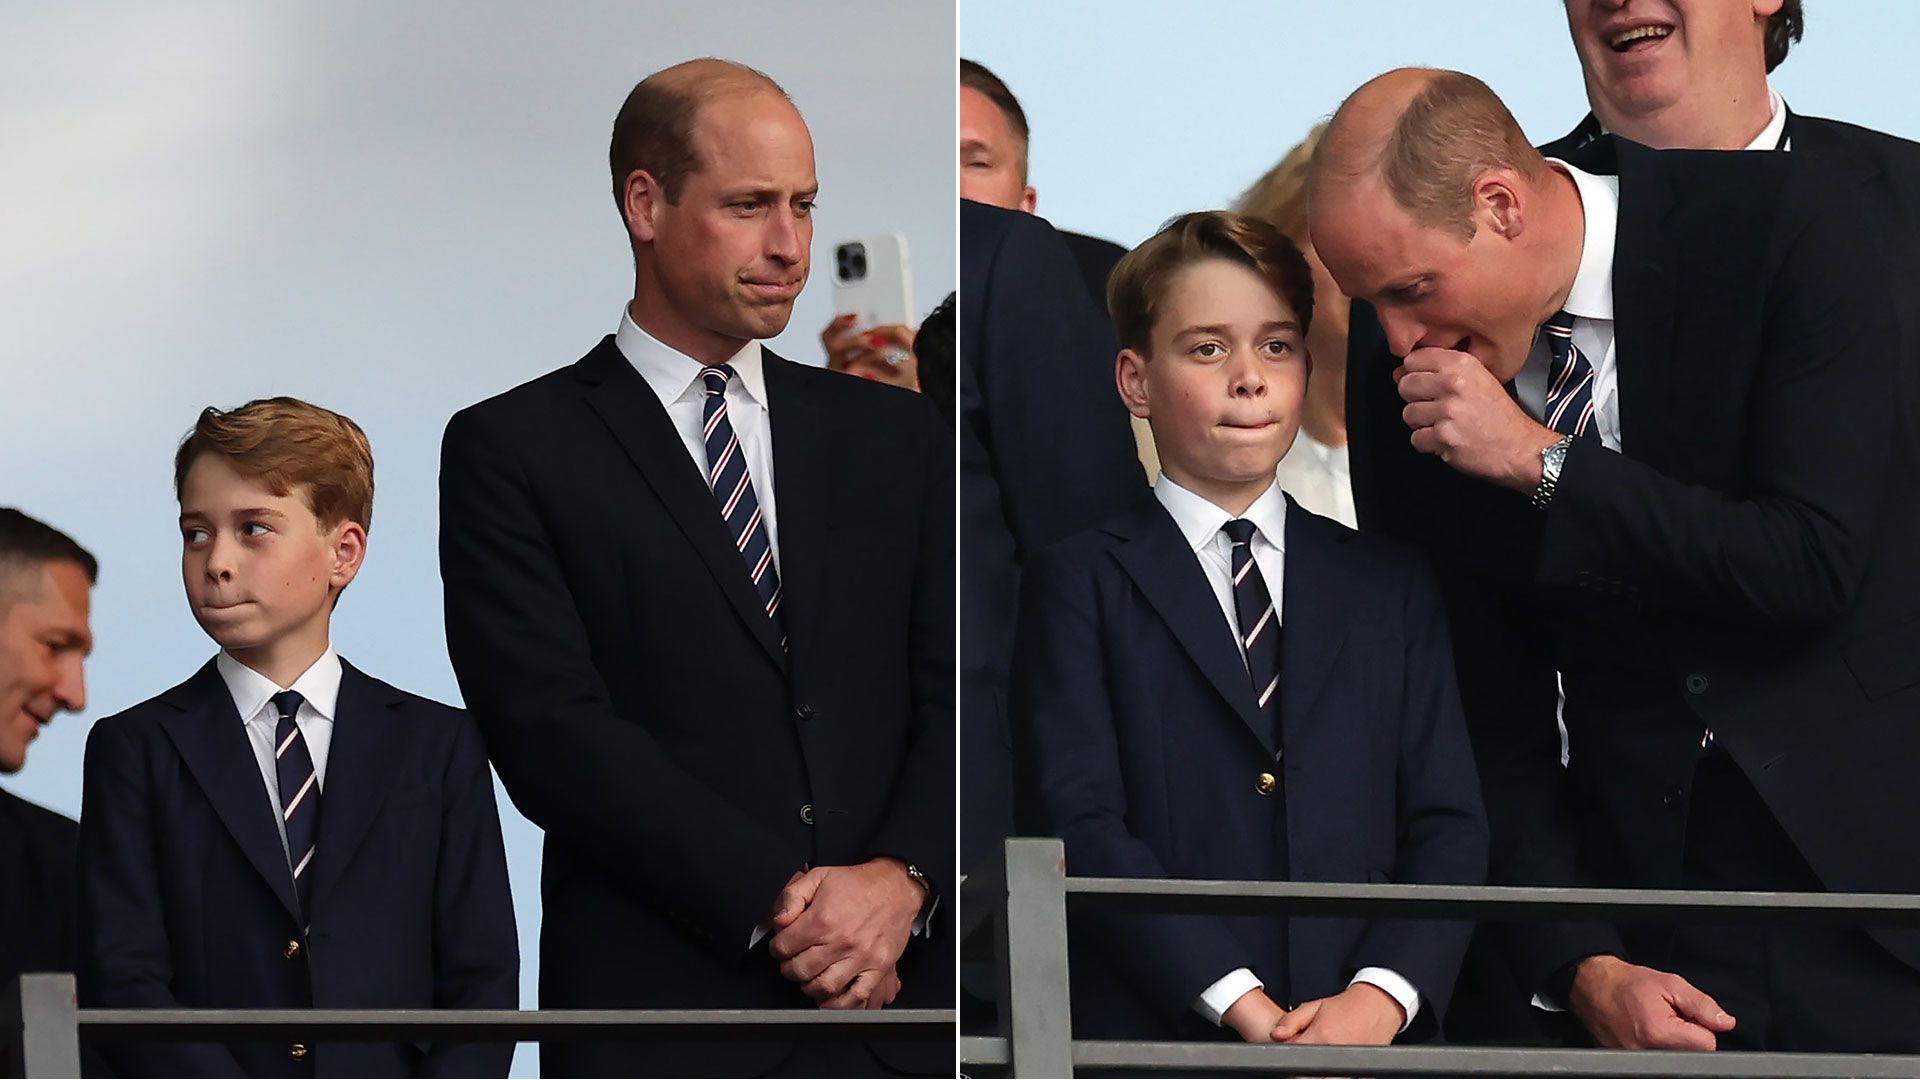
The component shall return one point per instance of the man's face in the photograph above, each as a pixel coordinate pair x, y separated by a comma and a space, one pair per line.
44, 640
1640, 57
733, 253
1430, 288
1223, 380
993, 167
258, 568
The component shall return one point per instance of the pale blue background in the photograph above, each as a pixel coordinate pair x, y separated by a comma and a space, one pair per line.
1141, 111
390, 209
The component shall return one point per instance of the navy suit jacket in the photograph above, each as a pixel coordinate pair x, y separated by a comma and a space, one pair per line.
186, 898
1045, 451
1138, 743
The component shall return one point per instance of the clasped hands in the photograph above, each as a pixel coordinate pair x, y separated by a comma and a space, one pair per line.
1361, 1015
1461, 414
839, 931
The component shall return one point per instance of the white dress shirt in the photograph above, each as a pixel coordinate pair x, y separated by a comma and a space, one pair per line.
253, 692
1319, 479
675, 379
1200, 523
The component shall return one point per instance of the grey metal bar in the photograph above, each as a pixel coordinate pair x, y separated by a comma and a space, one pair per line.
1035, 1012
40, 1012
984, 1050
1495, 903
512, 1025
1244, 1058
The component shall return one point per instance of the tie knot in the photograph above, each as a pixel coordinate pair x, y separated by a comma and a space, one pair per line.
288, 703
716, 379
1561, 324
1239, 530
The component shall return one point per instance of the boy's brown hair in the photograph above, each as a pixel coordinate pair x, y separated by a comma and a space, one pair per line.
1139, 283
284, 442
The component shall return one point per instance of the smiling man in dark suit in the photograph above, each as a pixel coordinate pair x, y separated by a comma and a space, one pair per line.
1641, 421
701, 600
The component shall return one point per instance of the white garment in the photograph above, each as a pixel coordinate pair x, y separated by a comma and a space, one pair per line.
252, 695
675, 379
1318, 478
1200, 523
1590, 302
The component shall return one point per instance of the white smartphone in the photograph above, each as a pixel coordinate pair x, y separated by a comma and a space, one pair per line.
871, 281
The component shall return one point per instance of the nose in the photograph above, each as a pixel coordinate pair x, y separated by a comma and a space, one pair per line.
1249, 377
785, 239
220, 558
1403, 333
71, 691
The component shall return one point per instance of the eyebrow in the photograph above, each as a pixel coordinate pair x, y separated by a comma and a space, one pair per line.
248, 511
1223, 331
766, 193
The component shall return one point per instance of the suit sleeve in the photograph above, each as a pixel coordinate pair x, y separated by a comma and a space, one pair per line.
126, 961
596, 781
1067, 768
1792, 547
919, 826
1054, 425
1442, 826
476, 949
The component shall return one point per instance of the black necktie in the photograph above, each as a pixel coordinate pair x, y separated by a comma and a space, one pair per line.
733, 490
1259, 623
299, 793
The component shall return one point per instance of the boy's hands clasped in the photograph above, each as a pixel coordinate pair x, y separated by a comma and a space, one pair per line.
1360, 1015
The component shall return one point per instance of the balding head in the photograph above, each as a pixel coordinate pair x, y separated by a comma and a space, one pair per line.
1427, 136
654, 130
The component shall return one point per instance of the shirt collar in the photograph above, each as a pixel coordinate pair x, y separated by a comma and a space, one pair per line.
1769, 137
674, 375
1591, 296
1200, 521
319, 685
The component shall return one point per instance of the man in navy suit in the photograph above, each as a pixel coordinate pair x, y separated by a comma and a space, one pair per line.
1224, 685
281, 830
1647, 422
700, 599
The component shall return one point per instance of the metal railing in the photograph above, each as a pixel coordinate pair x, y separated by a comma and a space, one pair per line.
41, 1009
1024, 900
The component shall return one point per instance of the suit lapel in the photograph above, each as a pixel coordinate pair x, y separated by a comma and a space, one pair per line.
809, 479
360, 764
631, 411
212, 739
1166, 572
1643, 288
1313, 619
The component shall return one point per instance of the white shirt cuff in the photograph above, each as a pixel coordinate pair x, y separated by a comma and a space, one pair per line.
1542, 1001
1396, 986
1215, 1000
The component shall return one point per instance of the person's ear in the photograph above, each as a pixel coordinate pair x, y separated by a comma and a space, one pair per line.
348, 543
1499, 205
1130, 375
641, 198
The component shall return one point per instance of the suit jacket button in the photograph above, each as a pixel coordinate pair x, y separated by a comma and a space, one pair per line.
1265, 783
1696, 683
298, 1052
1672, 797
806, 814
292, 950
806, 712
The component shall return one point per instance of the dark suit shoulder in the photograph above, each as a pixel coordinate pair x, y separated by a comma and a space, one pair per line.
1904, 152
1359, 560
537, 394
39, 824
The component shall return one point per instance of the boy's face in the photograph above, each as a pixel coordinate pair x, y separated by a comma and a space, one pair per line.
1223, 383
259, 570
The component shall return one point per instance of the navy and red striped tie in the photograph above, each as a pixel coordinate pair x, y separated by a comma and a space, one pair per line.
1569, 409
1259, 623
733, 490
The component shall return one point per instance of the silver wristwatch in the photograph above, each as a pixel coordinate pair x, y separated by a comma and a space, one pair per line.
1552, 459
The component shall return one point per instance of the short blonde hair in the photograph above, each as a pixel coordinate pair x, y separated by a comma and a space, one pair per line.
285, 443
1280, 197
1139, 282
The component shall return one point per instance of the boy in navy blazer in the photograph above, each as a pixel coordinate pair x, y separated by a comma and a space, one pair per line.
1223, 685
282, 830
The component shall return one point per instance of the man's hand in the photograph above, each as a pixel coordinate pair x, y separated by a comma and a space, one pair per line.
1253, 1015
1361, 1015
883, 354
841, 930
1462, 416
1630, 1007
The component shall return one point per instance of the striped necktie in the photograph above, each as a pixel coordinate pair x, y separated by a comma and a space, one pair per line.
733, 490
299, 794
1259, 623
1569, 408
